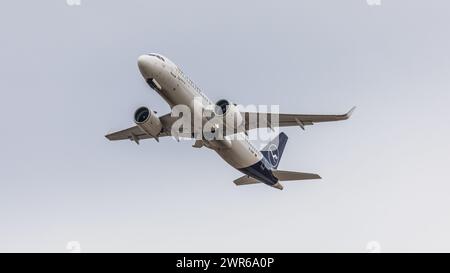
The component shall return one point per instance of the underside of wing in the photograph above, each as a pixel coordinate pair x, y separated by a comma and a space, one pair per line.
135, 133
254, 120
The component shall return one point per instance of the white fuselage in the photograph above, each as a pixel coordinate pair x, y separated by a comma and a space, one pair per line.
178, 89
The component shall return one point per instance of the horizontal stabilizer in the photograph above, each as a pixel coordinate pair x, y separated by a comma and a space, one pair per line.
287, 175
245, 180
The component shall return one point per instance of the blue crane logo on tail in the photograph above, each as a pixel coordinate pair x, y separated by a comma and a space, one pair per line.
274, 155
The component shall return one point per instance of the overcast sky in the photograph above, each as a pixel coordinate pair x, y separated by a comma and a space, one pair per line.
69, 76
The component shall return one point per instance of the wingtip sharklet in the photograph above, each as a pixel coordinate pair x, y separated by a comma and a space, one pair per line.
349, 113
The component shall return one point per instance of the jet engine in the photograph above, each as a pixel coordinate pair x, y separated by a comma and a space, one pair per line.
232, 118
148, 121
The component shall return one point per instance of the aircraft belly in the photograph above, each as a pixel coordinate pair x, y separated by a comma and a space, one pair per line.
238, 155
173, 92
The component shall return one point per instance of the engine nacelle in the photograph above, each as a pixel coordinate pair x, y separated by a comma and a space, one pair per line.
148, 121
232, 118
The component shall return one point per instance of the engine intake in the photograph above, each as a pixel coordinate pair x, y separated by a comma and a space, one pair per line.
229, 114
222, 107
148, 121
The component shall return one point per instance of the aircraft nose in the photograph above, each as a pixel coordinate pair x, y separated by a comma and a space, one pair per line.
146, 66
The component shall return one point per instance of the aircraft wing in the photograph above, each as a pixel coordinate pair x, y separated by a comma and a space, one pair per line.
135, 133
254, 120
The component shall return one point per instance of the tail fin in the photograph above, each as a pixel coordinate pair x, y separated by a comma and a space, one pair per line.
274, 150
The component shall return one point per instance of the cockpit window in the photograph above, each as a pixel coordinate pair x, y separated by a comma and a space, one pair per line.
157, 56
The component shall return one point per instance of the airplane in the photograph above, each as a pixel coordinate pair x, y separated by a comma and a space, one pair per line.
169, 81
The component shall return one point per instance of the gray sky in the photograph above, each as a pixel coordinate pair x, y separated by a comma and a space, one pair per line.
69, 75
